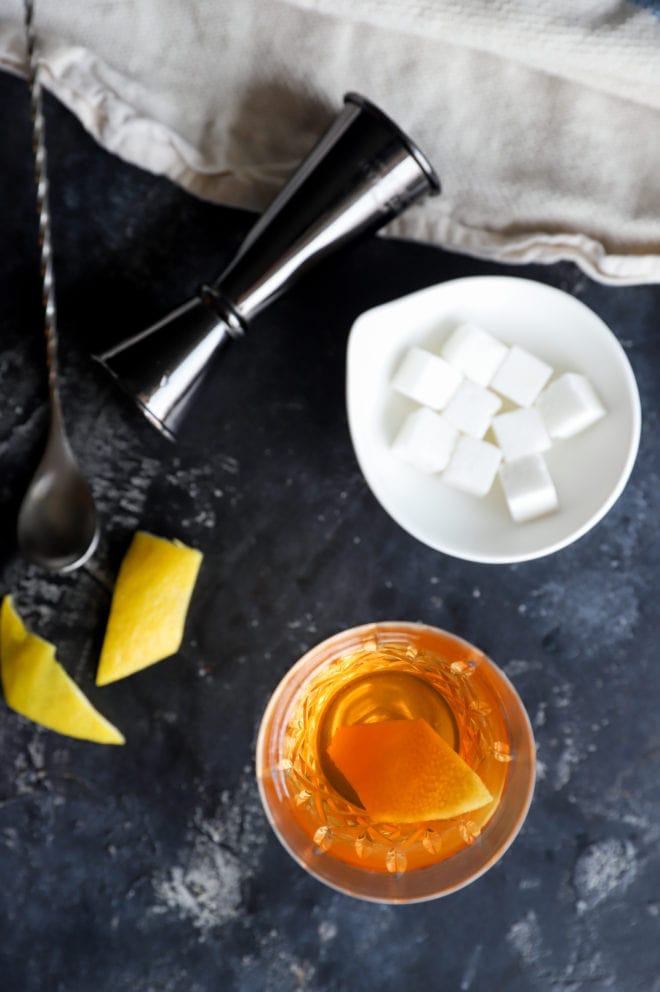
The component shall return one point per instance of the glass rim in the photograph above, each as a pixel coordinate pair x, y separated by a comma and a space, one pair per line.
419, 884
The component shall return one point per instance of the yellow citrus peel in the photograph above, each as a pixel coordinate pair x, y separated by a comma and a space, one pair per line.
36, 686
405, 772
149, 606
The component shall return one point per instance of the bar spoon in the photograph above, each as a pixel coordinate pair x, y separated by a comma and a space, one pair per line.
57, 521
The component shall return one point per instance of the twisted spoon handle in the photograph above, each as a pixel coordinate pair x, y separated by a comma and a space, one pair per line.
43, 210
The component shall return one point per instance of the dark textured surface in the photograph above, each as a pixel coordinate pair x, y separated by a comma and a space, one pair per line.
151, 867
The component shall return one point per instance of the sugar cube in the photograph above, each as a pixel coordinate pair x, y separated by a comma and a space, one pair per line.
521, 376
473, 466
426, 378
425, 440
472, 408
521, 432
528, 488
474, 352
569, 405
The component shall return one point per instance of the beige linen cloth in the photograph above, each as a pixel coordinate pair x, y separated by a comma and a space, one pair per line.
542, 117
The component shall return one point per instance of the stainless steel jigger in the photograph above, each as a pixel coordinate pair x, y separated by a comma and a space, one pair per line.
363, 172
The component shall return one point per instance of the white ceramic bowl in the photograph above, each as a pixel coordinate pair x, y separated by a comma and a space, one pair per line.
590, 470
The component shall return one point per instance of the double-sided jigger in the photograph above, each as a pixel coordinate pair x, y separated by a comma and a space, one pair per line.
363, 172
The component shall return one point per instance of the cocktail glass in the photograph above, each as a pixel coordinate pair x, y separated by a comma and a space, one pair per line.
393, 671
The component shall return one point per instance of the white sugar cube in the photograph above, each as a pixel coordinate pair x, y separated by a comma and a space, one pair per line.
528, 488
521, 376
474, 352
426, 378
472, 408
520, 433
569, 405
473, 466
425, 440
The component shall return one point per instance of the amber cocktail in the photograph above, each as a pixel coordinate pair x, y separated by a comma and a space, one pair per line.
417, 806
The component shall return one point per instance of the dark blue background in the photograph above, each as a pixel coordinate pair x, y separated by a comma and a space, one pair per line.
151, 867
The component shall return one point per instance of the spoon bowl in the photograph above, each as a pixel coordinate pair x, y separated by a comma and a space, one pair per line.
57, 522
